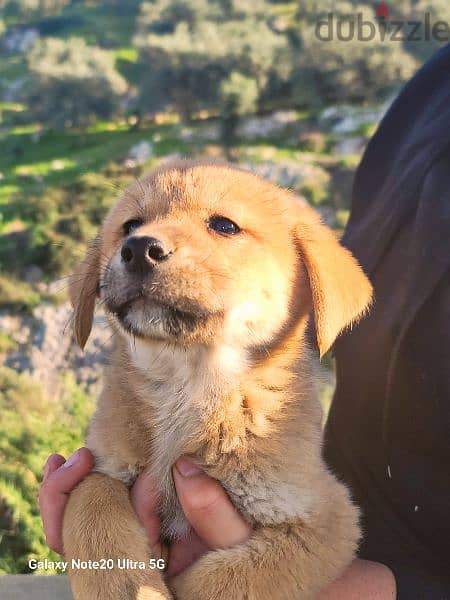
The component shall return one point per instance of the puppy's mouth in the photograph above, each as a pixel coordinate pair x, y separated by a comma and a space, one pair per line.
149, 317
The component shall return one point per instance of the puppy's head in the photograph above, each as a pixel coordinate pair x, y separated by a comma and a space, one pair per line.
202, 253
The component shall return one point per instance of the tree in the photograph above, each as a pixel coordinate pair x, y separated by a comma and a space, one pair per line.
355, 70
70, 83
37, 8
238, 96
423, 46
192, 46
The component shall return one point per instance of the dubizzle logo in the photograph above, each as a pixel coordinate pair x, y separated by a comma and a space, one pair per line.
345, 28
382, 11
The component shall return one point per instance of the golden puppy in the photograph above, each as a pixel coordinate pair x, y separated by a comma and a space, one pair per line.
209, 275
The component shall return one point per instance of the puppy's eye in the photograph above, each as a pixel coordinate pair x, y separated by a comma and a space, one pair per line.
130, 226
223, 225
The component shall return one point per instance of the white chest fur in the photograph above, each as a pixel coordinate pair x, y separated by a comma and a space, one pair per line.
184, 388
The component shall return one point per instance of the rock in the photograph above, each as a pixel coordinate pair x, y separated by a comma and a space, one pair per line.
289, 174
32, 274
266, 125
207, 133
186, 134
210, 133
139, 154
20, 39
350, 145
43, 346
348, 119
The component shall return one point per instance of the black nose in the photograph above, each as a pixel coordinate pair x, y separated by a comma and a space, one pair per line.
142, 252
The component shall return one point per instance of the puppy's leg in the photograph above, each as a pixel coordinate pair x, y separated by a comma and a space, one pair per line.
100, 524
285, 562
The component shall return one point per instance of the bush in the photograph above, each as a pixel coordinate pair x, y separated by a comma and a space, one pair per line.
36, 8
195, 50
30, 429
71, 84
352, 71
62, 221
17, 294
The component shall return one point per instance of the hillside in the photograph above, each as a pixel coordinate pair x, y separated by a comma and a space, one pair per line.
93, 93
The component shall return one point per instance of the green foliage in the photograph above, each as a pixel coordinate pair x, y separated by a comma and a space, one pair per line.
192, 47
351, 71
71, 83
17, 294
31, 428
315, 194
415, 10
34, 8
6, 343
64, 220
342, 217
238, 95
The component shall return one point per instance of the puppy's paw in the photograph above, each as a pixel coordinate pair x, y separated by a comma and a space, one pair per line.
120, 586
213, 580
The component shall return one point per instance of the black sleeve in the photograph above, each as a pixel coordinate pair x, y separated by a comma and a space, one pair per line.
419, 586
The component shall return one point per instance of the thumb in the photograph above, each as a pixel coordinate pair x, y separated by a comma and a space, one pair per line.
207, 507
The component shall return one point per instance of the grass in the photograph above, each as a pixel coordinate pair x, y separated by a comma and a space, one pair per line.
12, 66
28, 166
32, 162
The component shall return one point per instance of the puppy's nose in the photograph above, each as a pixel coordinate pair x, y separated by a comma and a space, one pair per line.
142, 252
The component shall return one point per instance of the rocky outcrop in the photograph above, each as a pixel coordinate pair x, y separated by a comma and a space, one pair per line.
42, 345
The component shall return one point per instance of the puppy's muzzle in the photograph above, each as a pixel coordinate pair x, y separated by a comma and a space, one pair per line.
141, 253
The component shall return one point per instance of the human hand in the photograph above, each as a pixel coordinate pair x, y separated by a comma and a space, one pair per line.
214, 520
60, 477
362, 579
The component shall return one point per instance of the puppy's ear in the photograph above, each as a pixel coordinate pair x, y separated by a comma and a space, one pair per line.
83, 293
340, 291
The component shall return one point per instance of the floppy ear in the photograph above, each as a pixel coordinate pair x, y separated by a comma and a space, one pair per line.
341, 293
83, 293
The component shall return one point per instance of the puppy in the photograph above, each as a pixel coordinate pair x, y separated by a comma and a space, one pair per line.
209, 275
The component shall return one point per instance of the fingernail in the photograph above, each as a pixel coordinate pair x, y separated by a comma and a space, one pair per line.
72, 460
186, 467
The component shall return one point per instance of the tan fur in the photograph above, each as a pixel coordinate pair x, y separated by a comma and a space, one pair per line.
237, 390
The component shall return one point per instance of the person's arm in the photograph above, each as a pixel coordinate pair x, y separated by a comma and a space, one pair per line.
363, 579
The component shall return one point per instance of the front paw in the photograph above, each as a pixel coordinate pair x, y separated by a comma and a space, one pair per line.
119, 585
212, 580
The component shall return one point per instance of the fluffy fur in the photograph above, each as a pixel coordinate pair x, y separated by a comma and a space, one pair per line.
210, 360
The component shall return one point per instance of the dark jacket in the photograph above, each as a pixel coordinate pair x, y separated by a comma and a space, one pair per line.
388, 432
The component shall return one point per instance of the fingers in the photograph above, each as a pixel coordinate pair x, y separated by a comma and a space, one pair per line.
208, 508
54, 461
144, 498
60, 478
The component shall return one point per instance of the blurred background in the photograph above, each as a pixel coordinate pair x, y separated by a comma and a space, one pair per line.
94, 92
